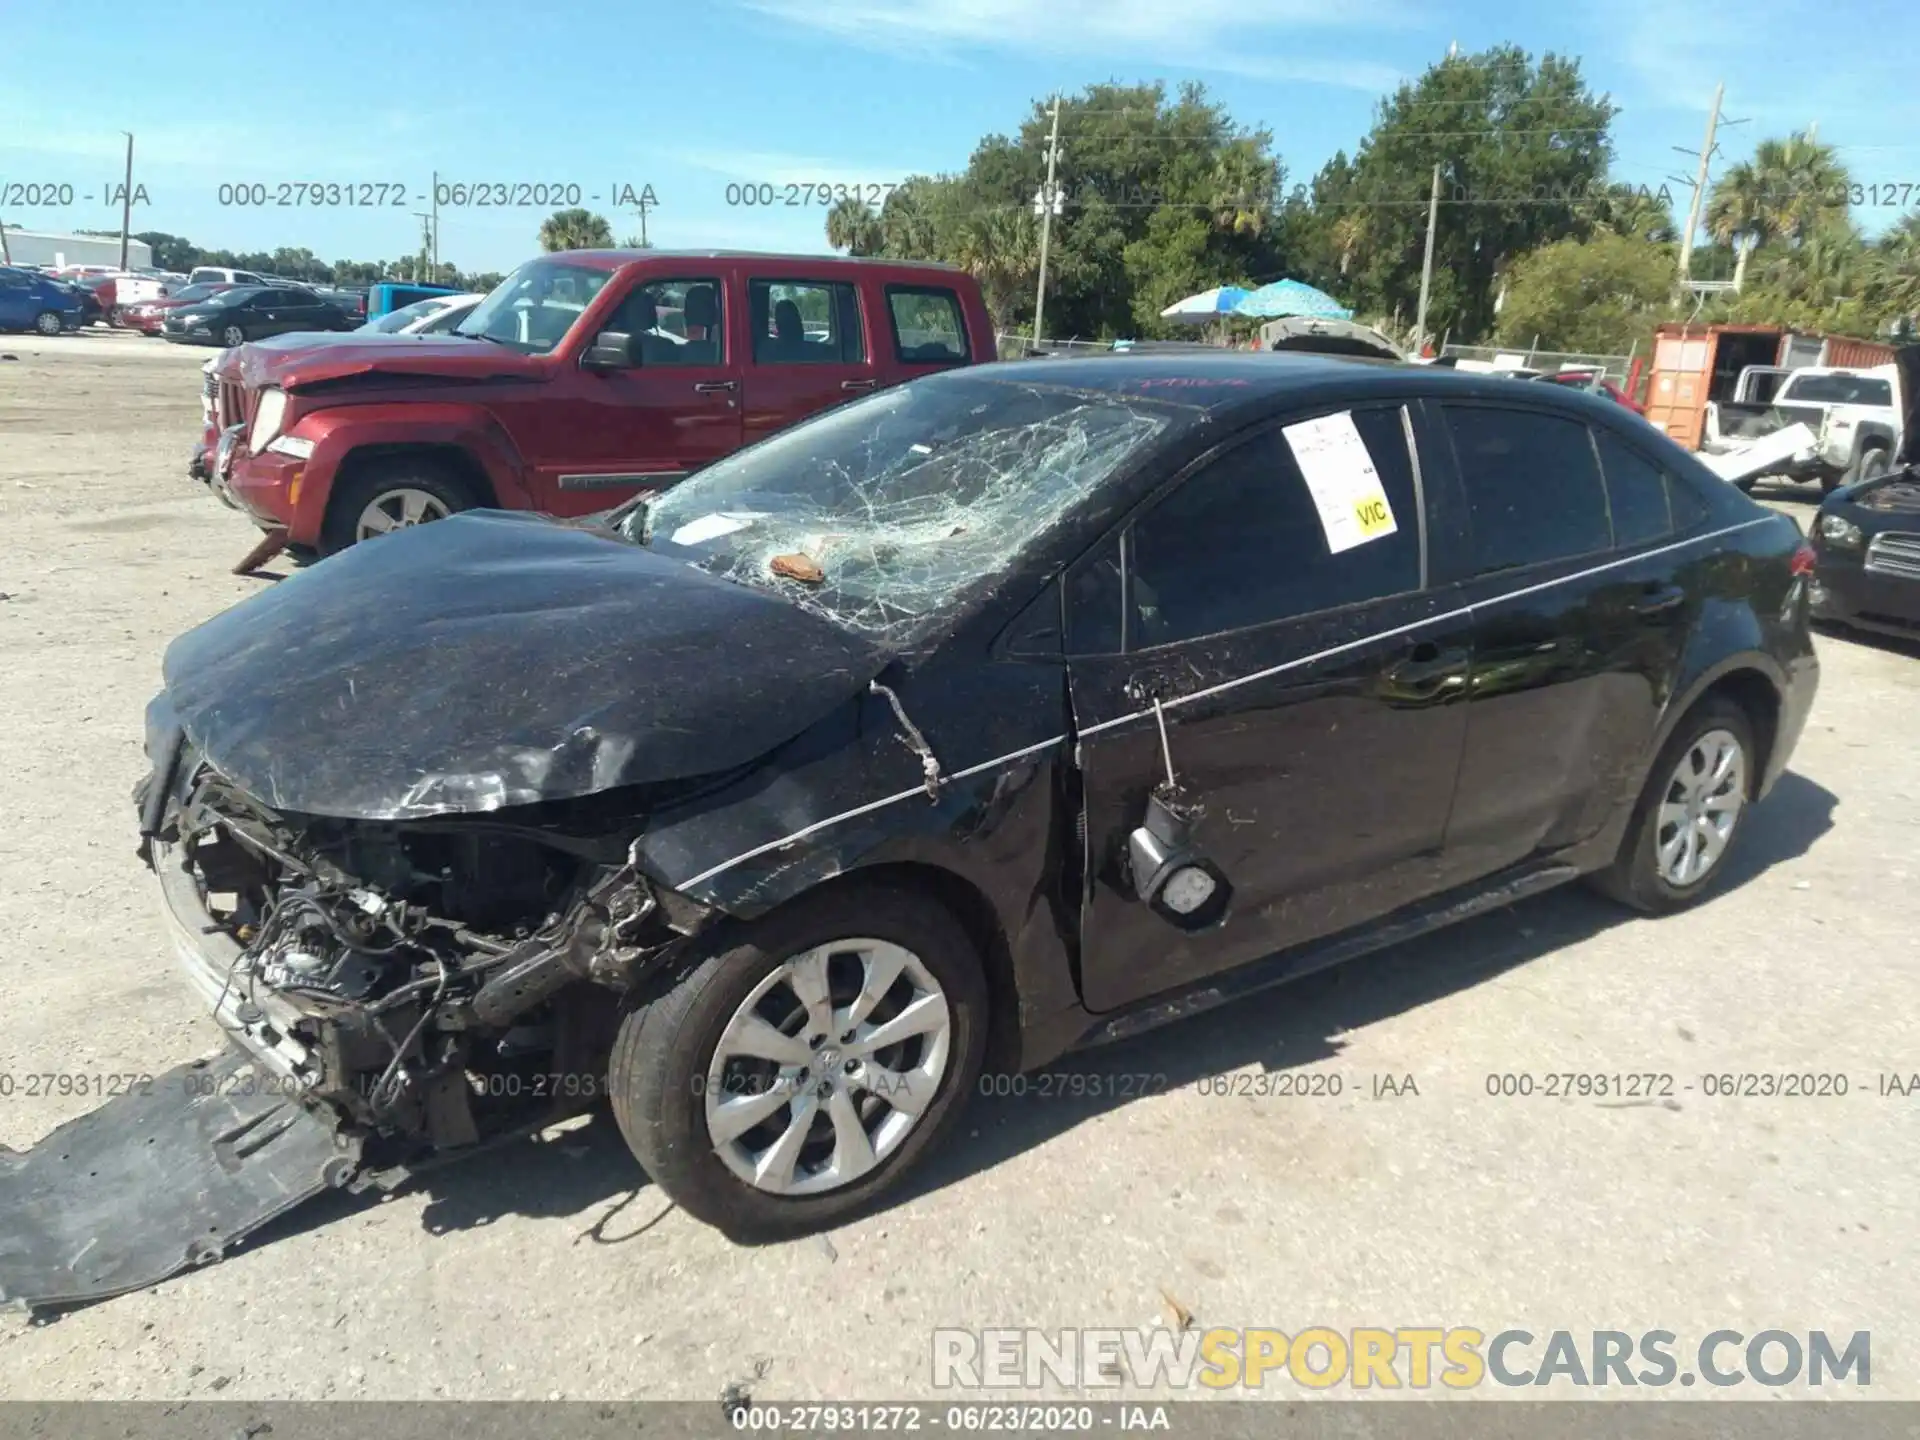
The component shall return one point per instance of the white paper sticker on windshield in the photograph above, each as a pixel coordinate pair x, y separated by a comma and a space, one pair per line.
710, 527
1340, 475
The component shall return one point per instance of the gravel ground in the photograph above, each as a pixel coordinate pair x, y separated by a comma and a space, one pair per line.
554, 1269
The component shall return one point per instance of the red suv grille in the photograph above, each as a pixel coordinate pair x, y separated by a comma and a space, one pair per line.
231, 406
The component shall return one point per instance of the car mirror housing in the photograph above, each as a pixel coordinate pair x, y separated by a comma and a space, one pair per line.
612, 350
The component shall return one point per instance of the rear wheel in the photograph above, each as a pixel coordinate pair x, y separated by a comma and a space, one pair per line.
393, 495
796, 1075
47, 322
1686, 819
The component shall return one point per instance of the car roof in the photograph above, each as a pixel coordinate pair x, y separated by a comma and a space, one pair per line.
1237, 379
613, 259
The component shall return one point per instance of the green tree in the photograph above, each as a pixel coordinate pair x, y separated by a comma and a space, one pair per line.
1636, 211
1599, 295
1825, 282
1135, 164
854, 226
575, 229
1001, 249
1522, 148
1790, 189
1894, 279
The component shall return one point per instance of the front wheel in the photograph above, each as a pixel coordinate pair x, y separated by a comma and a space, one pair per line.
798, 1072
394, 495
1874, 462
233, 336
1687, 817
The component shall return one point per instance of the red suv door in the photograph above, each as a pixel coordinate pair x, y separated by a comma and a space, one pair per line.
809, 348
649, 424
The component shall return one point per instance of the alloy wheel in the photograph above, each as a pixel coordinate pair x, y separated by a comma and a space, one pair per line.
1700, 808
827, 1066
399, 509
232, 336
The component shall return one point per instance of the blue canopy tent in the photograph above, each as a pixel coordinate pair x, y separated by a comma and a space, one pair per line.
1290, 297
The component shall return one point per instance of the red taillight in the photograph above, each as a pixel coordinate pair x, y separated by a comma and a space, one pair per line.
1803, 559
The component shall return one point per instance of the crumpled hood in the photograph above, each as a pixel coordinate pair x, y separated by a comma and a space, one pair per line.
497, 659
455, 360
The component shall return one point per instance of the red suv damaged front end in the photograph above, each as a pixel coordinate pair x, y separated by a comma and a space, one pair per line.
585, 378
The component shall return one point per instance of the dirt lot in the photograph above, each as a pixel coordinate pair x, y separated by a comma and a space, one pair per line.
555, 1270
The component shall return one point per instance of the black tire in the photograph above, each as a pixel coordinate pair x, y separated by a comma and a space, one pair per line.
232, 336
365, 484
1874, 462
658, 1068
1634, 877
48, 322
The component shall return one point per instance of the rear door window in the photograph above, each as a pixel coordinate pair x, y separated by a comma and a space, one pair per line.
1244, 541
929, 327
1636, 493
805, 322
1534, 492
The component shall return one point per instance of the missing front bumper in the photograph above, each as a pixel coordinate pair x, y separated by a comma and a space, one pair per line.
170, 1175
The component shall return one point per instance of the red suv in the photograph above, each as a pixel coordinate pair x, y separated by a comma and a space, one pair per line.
584, 378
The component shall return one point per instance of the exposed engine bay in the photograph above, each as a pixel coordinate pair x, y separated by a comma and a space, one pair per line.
436, 983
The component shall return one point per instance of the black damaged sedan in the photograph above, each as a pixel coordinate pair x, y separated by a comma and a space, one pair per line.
1006, 712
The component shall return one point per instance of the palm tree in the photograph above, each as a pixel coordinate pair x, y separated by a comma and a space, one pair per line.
1896, 268
1805, 183
1638, 214
1740, 214
576, 229
1001, 249
853, 227
1351, 236
1242, 182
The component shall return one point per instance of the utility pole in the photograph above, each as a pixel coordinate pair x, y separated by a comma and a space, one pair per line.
436, 225
126, 201
425, 218
645, 205
1426, 266
1046, 205
1700, 187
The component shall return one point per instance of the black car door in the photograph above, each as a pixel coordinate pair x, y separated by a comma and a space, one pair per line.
1310, 689
1579, 617
289, 310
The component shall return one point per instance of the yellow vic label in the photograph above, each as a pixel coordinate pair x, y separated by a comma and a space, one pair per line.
1373, 516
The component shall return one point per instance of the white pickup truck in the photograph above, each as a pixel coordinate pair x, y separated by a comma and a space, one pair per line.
1852, 420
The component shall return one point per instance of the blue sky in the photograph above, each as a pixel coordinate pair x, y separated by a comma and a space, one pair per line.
690, 96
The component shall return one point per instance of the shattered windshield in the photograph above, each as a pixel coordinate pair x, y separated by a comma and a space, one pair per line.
880, 513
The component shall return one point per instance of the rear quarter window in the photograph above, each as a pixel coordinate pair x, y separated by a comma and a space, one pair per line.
929, 327
1636, 492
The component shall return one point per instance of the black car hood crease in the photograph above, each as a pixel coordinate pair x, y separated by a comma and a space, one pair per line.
496, 659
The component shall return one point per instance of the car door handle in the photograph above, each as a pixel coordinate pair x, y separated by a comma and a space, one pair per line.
1657, 599
711, 387
858, 384
1429, 668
